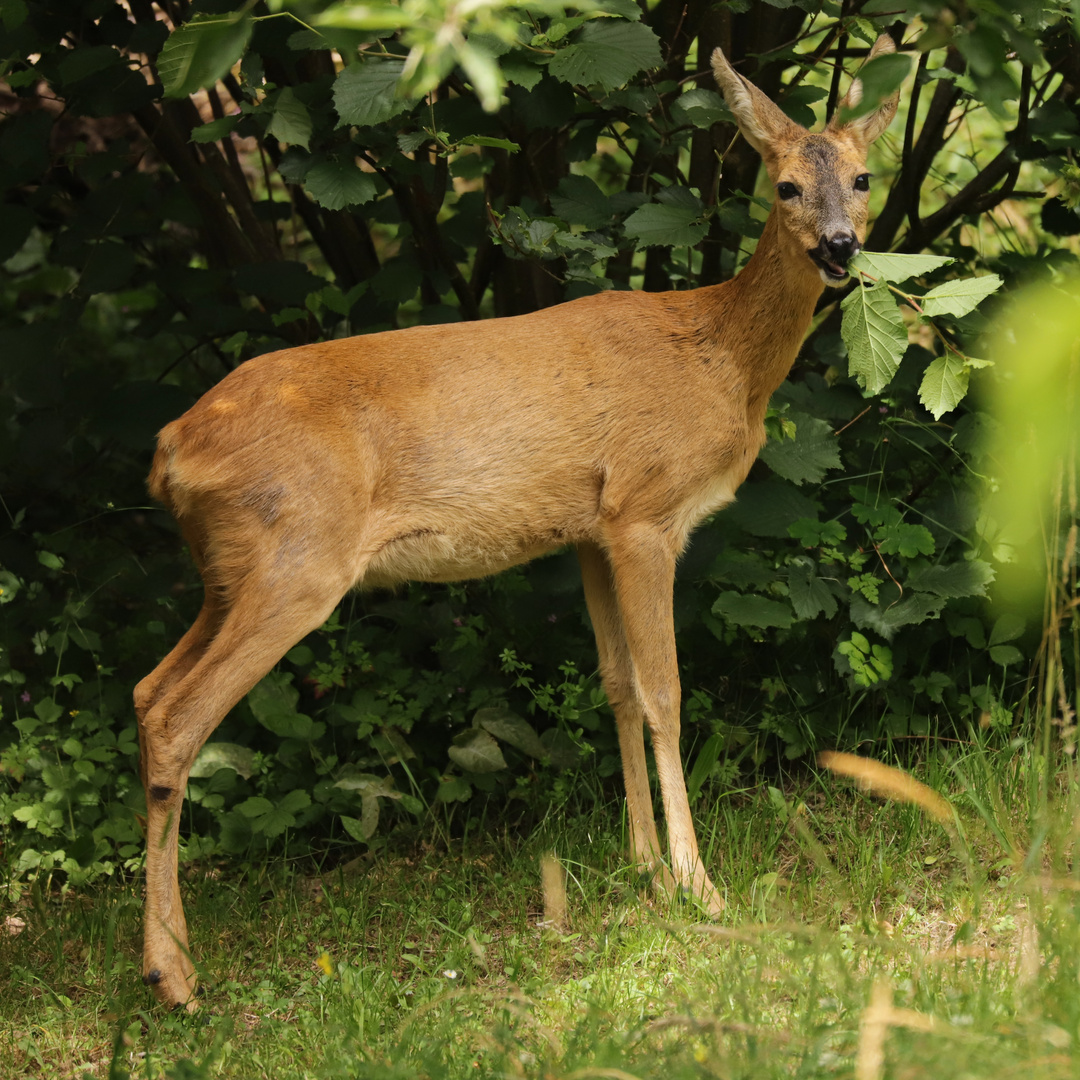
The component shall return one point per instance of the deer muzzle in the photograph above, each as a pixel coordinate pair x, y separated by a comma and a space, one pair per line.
832, 255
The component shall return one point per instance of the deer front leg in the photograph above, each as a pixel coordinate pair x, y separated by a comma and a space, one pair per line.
617, 674
643, 567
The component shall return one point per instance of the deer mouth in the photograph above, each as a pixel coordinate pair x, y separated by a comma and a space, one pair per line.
832, 272
832, 259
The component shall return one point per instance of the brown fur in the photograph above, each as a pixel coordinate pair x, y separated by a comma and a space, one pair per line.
615, 423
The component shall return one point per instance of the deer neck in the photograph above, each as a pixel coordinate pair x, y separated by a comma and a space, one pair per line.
766, 313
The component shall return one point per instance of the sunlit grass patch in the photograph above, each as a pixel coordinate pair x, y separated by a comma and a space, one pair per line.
862, 939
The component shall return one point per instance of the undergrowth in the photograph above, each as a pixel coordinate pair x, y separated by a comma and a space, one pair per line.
854, 928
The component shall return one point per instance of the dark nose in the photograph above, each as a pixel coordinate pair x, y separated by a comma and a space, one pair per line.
842, 246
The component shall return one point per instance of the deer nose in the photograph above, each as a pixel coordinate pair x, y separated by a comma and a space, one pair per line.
841, 247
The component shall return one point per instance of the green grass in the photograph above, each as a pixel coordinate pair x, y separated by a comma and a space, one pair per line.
427, 960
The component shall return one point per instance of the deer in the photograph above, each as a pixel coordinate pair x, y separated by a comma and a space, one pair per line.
614, 422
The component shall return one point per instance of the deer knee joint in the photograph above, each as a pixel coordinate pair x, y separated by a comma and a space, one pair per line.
160, 793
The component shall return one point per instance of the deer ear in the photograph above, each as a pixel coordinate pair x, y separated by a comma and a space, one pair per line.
761, 121
868, 127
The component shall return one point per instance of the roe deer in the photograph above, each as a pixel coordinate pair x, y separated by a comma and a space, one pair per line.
614, 422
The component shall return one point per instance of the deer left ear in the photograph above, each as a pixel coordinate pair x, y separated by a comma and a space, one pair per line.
761, 121
868, 127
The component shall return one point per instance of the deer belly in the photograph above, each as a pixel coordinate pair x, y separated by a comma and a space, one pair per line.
430, 555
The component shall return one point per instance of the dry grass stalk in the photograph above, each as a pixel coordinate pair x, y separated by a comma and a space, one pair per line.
1029, 962
877, 1018
553, 880
889, 783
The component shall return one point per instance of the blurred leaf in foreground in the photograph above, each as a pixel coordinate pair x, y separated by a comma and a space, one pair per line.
1033, 394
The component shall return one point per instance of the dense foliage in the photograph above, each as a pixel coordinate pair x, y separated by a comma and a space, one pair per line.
352, 168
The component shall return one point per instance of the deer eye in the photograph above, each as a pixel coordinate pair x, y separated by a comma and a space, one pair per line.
786, 190
862, 182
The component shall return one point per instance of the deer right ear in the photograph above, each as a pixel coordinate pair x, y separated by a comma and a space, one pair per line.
762, 122
867, 128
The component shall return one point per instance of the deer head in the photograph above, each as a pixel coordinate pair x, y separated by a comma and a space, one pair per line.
821, 181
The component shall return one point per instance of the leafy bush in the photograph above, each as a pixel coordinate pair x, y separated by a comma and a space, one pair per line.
360, 171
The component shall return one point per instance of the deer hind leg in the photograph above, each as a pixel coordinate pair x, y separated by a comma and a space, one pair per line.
617, 673
265, 616
183, 657
643, 574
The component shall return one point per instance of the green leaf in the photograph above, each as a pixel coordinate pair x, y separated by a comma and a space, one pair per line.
655, 225
270, 819
255, 807
456, 789
944, 385
368, 784
869, 664
707, 757
812, 533
216, 129
768, 508
879, 78
904, 539
1007, 628
682, 197
295, 801
734, 215
953, 579
13, 14
198, 53
752, 610
510, 728
336, 184
626, 8
224, 755
874, 333
810, 596
743, 569
365, 92
482, 69
807, 457
886, 620
81, 63
235, 832
897, 268
377, 15
933, 685
797, 100
581, 202
607, 53
9, 586
273, 703
48, 711
291, 122
960, 297
479, 754
521, 70
1006, 655
703, 108
488, 140
364, 827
